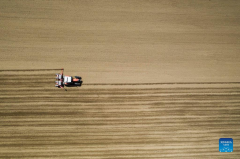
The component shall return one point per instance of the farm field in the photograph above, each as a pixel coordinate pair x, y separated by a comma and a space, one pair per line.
160, 78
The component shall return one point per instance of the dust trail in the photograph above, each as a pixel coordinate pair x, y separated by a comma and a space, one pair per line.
29, 70
167, 83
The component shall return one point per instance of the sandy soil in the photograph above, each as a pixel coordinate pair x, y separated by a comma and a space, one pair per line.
124, 41
123, 50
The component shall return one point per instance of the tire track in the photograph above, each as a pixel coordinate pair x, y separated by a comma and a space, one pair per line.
29, 70
164, 83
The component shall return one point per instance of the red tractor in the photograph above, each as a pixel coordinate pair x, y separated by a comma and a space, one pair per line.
68, 81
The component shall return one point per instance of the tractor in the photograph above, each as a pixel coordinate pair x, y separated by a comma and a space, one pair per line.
67, 81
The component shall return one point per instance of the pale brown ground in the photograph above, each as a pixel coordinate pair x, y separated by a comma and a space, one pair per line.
119, 42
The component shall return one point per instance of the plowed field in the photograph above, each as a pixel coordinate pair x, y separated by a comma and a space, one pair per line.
116, 121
